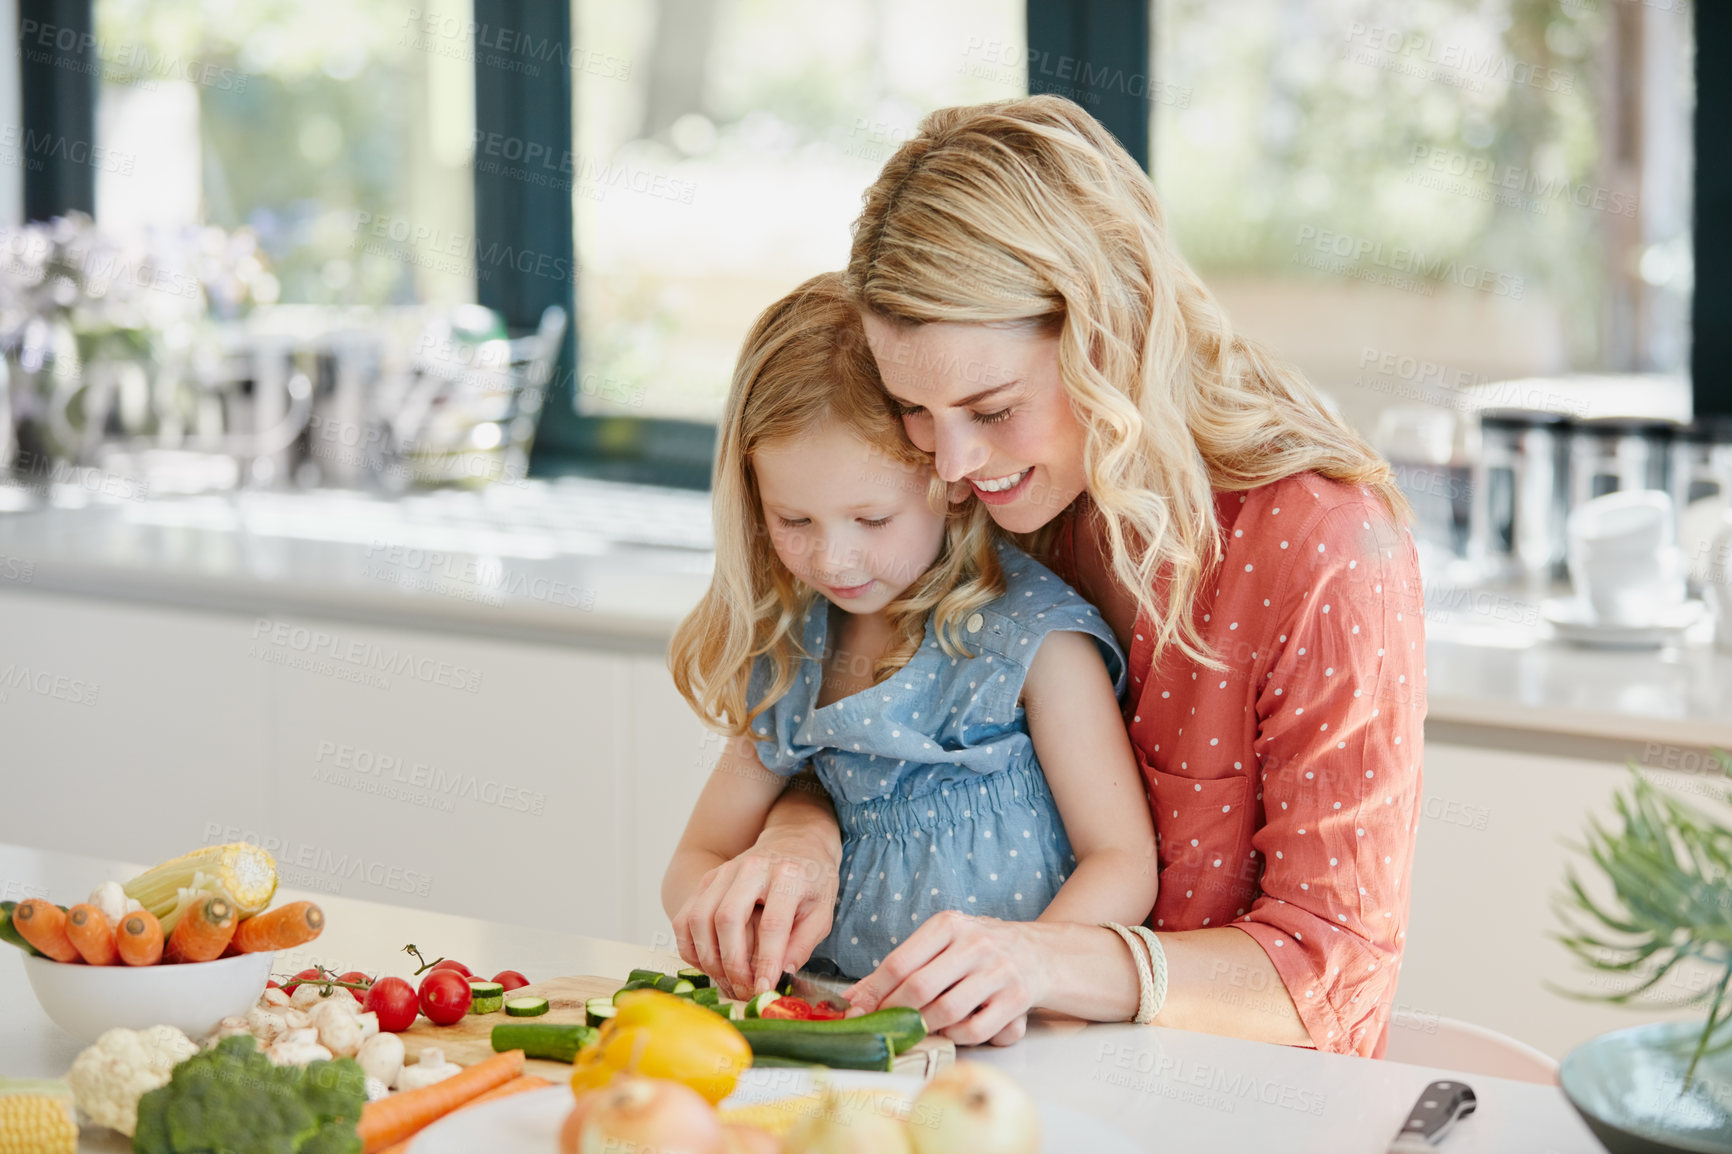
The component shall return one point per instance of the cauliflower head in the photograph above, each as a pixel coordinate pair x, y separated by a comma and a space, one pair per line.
123, 1065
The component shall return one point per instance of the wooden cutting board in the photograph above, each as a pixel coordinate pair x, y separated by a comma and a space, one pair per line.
471, 1040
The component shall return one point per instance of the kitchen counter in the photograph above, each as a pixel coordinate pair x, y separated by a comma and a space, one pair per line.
1169, 1088
602, 565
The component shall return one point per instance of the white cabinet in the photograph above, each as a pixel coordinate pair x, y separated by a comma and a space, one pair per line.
430, 770
1491, 856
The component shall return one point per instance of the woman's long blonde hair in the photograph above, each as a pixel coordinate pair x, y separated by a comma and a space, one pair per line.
804, 365
1029, 211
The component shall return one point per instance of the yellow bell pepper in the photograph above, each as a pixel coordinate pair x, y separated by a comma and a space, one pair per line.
658, 1035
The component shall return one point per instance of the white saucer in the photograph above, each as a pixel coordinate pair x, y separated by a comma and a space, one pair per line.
1575, 622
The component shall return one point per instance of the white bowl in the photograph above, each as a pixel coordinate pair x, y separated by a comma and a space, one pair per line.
190, 996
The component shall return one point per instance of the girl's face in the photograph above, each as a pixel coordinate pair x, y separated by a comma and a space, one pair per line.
847, 518
988, 404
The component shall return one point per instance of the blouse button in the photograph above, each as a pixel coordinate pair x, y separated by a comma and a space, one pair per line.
975, 621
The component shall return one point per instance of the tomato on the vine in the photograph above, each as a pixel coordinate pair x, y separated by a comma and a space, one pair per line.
445, 997
394, 1000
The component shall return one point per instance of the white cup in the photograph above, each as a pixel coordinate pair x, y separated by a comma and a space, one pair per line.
1624, 558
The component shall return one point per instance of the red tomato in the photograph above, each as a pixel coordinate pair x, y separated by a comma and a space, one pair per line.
445, 997
825, 1012
448, 964
511, 980
789, 1007
310, 974
393, 999
358, 978
273, 985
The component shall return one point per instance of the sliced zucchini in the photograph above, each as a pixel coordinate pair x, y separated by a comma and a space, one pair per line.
903, 1025
599, 1010
736, 1011
706, 995
528, 1007
755, 1007
486, 997
645, 976
695, 976
634, 985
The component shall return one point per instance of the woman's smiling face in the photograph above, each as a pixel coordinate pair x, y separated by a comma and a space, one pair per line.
988, 404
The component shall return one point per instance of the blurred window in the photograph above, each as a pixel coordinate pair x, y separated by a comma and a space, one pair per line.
722, 149
336, 131
1408, 197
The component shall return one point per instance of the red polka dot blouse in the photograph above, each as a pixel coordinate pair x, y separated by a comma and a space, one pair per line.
1285, 788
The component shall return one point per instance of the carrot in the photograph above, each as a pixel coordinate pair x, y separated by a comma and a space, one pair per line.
43, 925
283, 928
203, 931
88, 929
139, 939
515, 1086
391, 1120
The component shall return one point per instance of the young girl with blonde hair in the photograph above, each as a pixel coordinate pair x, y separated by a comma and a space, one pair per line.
1246, 547
955, 700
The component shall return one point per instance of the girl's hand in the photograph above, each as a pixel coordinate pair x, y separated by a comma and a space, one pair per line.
759, 914
973, 979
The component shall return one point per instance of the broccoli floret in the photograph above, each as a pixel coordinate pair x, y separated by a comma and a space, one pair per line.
233, 1100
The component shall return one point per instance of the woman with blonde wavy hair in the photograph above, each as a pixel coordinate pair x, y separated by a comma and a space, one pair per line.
953, 698
1045, 342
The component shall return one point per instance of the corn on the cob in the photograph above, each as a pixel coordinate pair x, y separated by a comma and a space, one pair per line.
243, 873
36, 1117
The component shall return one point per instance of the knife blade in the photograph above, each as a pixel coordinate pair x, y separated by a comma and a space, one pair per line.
817, 988
1440, 1106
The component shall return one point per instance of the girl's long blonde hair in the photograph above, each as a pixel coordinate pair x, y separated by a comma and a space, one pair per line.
805, 364
1029, 211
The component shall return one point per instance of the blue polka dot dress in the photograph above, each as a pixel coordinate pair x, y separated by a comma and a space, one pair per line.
941, 800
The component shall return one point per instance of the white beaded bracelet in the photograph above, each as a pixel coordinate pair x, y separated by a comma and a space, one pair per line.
1146, 1010
1157, 966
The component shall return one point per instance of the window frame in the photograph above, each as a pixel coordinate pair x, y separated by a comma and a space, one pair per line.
59, 97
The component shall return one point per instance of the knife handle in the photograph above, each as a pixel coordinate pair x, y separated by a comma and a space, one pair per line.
1440, 1106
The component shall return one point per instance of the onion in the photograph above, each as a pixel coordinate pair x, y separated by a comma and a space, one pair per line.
973, 1108
857, 1122
750, 1140
649, 1114
570, 1132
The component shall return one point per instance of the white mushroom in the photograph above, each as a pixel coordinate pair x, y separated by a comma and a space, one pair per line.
297, 1048
274, 997
431, 1067
369, 1024
228, 1028
338, 1027
381, 1057
264, 1025
296, 1020
375, 1089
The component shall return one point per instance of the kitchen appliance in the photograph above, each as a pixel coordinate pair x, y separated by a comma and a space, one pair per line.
1617, 454
1717, 581
1702, 460
1440, 1106
1517, 502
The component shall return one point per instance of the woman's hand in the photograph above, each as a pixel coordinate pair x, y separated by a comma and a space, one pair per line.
973, 979
763, 912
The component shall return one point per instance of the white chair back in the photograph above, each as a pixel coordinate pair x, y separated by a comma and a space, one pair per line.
1449, 1044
